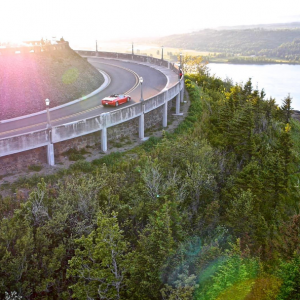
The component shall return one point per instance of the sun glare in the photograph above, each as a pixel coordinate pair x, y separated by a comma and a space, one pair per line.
13, 40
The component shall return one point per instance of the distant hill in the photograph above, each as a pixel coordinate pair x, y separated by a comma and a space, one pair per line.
292, 25
247, 41
270, 43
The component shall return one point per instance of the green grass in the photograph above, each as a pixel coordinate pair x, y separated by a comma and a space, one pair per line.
35, 168
75, 155
116, 144
82, 165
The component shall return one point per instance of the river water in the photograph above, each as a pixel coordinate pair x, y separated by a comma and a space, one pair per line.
277, 80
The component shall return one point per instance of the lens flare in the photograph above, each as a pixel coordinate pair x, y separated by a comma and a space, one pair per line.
70, 76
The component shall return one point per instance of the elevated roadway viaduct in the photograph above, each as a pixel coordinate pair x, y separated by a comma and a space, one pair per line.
86, 116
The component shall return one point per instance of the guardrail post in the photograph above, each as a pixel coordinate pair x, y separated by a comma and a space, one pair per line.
165, 112
104, 135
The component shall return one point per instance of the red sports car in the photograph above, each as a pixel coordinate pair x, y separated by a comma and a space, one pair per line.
115, 100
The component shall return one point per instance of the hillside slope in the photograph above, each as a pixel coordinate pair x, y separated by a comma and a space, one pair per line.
27, 80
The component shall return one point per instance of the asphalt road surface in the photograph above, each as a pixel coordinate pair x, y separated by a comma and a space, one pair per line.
124, 79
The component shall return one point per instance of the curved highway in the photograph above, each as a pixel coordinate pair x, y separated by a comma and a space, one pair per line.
124, 78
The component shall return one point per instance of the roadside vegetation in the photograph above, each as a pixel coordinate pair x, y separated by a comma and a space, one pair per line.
208, 212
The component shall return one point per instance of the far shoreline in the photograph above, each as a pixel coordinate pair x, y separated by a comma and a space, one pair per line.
254, 63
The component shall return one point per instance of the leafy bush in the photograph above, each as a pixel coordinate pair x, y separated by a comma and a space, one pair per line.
150, 143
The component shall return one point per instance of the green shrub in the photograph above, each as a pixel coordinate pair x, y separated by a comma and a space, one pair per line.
109, 159
289, 273
150, 143
195, 109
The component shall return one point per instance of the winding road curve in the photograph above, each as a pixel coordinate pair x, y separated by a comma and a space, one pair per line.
124, 78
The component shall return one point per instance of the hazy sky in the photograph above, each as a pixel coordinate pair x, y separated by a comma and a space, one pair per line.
97, 19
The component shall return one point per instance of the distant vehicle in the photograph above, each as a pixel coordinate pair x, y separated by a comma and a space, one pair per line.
180, 73
116, 100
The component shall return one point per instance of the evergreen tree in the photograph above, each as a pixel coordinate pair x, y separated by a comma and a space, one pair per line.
287, 108
286, 146
98, 266
155, 246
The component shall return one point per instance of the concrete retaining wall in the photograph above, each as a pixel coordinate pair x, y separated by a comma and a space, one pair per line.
14, 163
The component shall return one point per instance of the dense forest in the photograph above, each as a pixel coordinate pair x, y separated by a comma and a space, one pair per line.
271, 43
209, 212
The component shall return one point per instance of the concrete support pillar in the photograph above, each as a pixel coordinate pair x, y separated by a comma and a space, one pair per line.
181, 94
142, 126
178, 113
104, 139
50, 154
165, 114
